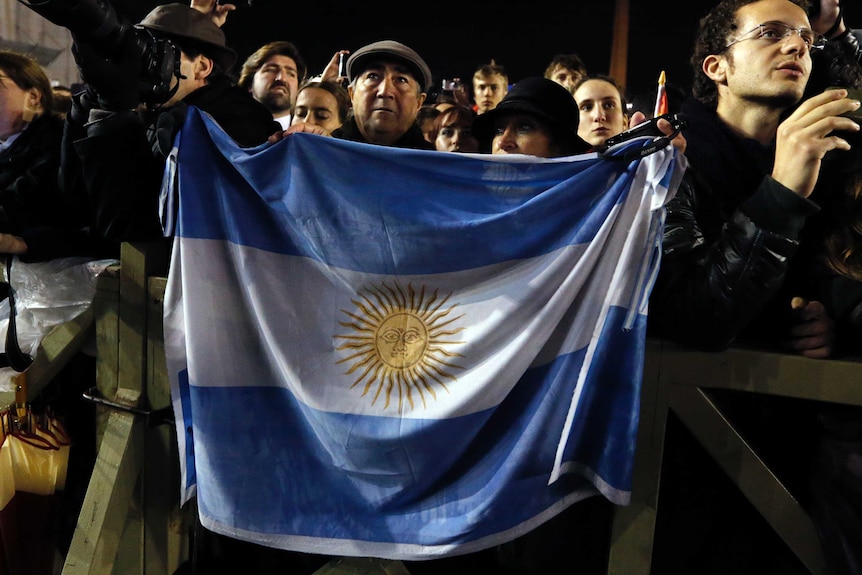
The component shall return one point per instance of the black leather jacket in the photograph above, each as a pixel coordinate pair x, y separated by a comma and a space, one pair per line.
31, 203
413, 138
849, 42
730, 236
116, 164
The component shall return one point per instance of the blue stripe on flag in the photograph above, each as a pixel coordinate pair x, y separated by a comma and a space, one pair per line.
389, 214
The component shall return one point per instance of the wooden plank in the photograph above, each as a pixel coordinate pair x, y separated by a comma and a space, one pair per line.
772, 373
133, 316
102, 520
139, 261
757, 482
158, 385
54, 351
633, 528
113, 513
680, 375
106, 306
166, 538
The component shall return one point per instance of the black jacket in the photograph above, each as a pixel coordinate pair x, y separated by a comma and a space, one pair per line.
116, 163
31, 203
413, 138
730, 236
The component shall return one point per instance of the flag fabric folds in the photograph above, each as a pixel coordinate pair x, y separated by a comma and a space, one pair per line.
402, 353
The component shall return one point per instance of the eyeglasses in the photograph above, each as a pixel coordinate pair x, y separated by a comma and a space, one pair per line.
779, 31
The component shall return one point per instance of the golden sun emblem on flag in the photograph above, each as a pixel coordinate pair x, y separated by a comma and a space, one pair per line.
400, 343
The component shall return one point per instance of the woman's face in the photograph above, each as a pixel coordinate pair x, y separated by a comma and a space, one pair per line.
456, 135
601, 111
519, 133
318, 107
13, 106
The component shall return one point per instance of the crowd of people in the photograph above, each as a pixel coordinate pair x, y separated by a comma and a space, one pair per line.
761, 242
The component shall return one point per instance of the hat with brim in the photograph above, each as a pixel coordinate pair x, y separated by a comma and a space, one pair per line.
186, 25
389, 50
543, 99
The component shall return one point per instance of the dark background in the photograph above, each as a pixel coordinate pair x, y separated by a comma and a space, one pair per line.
455, 38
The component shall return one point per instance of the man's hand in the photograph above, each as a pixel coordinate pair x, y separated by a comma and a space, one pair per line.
10, 244
807, 134
295, 128
217, 12
813, 331
331, 70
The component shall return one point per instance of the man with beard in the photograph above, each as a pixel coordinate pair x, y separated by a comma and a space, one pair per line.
272, 75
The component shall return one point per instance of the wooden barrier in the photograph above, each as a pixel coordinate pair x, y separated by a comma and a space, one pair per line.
678, 380
131, 521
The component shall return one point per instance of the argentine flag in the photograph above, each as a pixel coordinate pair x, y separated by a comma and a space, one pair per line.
399, 353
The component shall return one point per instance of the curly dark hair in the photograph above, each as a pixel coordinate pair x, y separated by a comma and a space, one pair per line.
715, 29
839, 188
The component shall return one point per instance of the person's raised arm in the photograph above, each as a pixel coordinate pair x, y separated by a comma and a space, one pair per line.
807, 134
829, 20
332, 72
217, 12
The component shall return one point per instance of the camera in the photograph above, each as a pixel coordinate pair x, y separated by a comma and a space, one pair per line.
452, 85
853, 94
97, 23
646, 129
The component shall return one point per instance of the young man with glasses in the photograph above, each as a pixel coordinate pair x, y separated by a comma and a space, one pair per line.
731, 259
755, 152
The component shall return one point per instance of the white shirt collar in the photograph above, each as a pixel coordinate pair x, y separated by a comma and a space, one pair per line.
4, 144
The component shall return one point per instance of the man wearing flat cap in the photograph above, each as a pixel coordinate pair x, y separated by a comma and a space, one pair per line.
388, 84
116, 144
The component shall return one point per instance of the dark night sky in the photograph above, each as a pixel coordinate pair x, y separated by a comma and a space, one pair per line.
454, 40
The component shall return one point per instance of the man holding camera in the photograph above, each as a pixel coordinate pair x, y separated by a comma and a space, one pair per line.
734, 266
117, 141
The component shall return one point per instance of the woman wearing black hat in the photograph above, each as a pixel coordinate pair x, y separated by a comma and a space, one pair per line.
538, 117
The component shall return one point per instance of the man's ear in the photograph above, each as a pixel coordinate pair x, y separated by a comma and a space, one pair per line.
715, 68
203, 67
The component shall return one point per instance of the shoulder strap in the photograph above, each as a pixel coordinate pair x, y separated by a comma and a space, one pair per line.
13, 356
